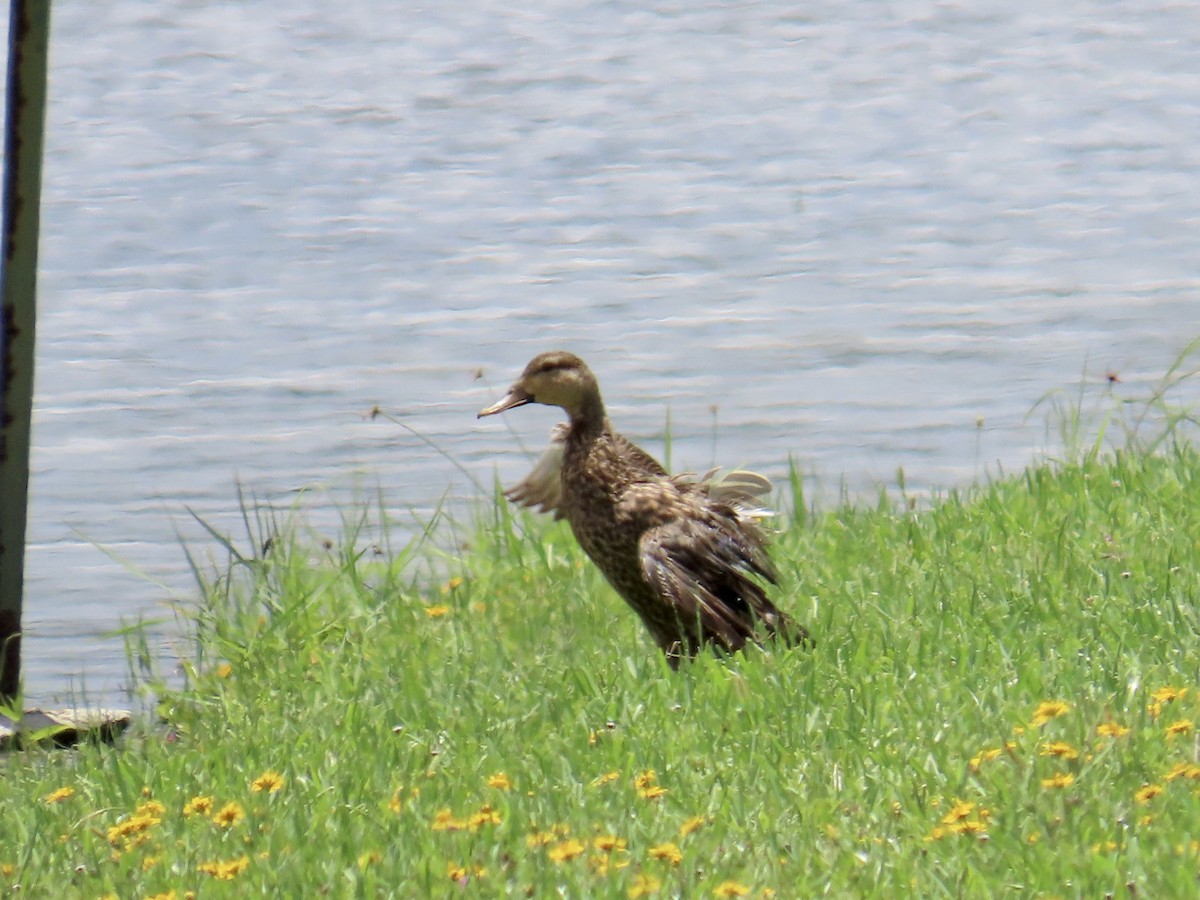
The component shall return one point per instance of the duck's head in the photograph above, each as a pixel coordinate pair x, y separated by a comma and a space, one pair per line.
556, 378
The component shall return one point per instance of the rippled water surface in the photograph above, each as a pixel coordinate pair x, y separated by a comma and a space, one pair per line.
866, 236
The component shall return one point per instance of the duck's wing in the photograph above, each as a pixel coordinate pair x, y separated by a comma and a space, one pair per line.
541, 489
635, 464
748, 493
709, 565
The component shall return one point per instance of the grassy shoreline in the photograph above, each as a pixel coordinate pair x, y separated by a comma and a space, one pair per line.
1003, 700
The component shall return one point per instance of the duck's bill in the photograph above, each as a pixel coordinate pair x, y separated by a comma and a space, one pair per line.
510, 400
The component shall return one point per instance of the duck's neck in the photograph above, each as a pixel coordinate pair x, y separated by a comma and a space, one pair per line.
588, 419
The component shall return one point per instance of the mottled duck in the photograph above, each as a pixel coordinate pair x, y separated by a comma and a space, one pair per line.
685, 556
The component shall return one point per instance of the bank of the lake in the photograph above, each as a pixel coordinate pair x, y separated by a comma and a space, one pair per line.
1003, 697
864, 236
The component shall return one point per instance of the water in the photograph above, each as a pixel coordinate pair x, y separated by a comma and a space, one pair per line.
867, 236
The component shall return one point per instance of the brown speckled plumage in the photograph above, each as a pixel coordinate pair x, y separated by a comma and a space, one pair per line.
687, 563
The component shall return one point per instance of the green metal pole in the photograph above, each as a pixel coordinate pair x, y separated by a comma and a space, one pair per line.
28, 37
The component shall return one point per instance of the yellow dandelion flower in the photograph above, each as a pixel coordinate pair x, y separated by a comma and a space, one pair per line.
606, 778
645, 780
1144, 821
150, 862
453, 584
228, 815
396, 804
1111, 730
437, 611
444, 820
539, 839
605, 863
456, 872
60, 795
1148, 792
1061, 749
608, 843
1033, 837
936, 834
983, 756
1179, 726
730, 889
7, 869
1183, 770
1154, 709
235, 867
500, 781
198, 806
370, 858
652, 793
150, 808
1049, 709
269, 781
225, 871
1059, 781
644, 885
130, 827
690, 825
166, 895
224, 670
1105, 847
1179, 770
668, 852
138, 840
1167, 694
968, 826
566, 850
960, 810
485, 816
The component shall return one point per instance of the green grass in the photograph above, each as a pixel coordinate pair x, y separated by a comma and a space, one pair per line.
491, 732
